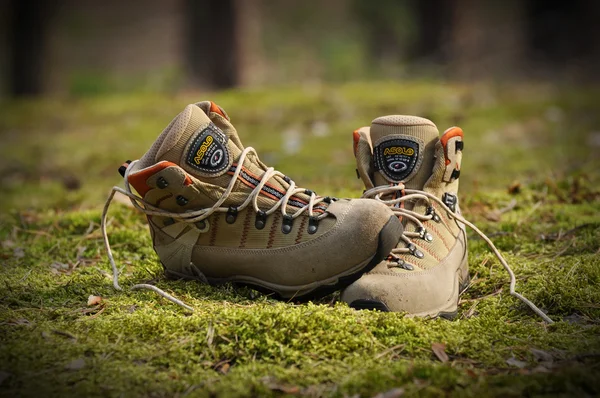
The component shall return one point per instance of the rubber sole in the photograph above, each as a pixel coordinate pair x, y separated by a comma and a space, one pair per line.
388, 238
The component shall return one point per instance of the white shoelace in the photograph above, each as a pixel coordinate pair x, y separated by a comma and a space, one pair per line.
413, 194
199, 215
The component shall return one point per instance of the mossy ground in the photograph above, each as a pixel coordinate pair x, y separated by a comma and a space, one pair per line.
59, 159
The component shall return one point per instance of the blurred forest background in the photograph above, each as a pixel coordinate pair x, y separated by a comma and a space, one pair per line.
87, 47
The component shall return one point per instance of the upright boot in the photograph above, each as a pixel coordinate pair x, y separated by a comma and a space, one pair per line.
404, 162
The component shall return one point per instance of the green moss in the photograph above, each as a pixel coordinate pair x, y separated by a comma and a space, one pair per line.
241, 343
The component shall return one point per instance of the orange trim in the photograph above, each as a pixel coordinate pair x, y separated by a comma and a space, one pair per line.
248, 184
266, 184
355, 138
138, 180
450, 133
217, 109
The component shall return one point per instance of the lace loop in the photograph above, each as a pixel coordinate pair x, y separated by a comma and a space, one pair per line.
195, 216
413, 194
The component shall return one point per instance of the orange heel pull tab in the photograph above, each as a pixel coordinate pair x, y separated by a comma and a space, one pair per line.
355, 138
217, 109
139, 180
452, 142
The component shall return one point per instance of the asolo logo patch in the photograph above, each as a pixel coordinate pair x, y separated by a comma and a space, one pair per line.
396, 158
399, 150
203, 147
208, 151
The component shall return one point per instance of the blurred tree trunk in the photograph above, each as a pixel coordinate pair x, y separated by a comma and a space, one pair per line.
211, 42
249, 44
563, 36
433, 25
488, 38
381, 38
29, 20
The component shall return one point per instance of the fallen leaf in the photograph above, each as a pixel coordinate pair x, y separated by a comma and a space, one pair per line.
393, 393
71, 182
3, 376
540, 369
493, 215
76, 364
514, 188
94, 300
272, 384
59, 266
439, 349
471, 373
18, 252
7, 244
542, 356
224, 368
286, 389
512, 361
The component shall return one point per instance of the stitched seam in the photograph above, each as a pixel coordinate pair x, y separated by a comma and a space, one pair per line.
409, 125
287, 249
441, 213
301, 230
430, 253
246, 228
273, 230
439, 235
213, 233
160, 200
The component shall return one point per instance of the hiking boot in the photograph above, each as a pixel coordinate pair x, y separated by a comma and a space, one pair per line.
404, 163
217, 214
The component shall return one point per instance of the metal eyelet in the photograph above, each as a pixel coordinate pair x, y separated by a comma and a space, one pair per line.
231, 216
181, 200
313, 225
286, 226
423, 234
261, 219
431, 211
399, 263
415, 252
162, 183
202, 225
450, 201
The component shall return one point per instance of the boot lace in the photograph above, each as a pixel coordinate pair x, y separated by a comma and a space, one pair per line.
201, 214
396, 205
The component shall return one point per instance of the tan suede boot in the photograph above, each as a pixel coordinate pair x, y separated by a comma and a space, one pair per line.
218, 214
401, 159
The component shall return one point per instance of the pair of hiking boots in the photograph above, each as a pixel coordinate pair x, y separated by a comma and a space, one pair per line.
218, 214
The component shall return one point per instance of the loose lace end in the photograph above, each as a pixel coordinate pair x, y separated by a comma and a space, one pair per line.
115, 271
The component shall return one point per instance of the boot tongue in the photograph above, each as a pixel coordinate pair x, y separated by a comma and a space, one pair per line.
403, 150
